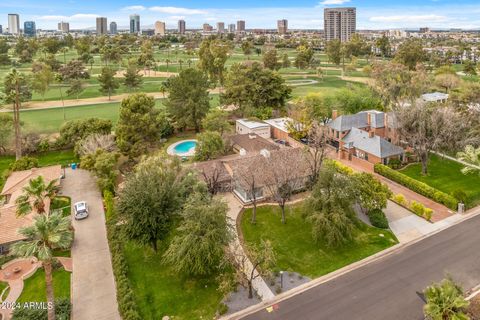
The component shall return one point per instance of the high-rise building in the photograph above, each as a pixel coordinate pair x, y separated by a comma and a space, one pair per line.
29, 29
1, 29
160, 28
207, 27
425, 30
102, 25
231, 28
134, 23
64, 27
240, 26
182, 26
282, 26
113, 27
340, 23
13, 23
220, 27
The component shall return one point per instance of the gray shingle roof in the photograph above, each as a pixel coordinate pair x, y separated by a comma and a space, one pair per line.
375, 145
358, 120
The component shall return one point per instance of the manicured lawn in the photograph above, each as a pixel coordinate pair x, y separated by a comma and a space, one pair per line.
3, 285
445, 175
35, 290
159, 291
295, 248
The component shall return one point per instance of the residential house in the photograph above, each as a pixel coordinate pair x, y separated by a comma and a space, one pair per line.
251, 143
9, 222
244, 126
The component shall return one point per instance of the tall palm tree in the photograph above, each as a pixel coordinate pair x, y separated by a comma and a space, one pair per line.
45, 235
35, 195
445, 301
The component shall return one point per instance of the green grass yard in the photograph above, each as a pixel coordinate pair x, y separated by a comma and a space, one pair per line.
445, 175
34, 287
295, 248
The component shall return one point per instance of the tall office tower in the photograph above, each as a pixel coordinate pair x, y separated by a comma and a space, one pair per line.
182, 26
240, 26
134, 23
282, 26
1, 29
64, 27
220, 27
340, 23
29, 29
207, 27
231, 28
160, 28
102, 25
113, 27
13, 23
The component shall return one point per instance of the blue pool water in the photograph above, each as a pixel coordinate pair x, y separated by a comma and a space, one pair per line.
184, 147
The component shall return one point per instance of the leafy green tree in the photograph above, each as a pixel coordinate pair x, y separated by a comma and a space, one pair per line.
152, 196
35, 196
42, 77
333, 50
270, 60
470, 68
132, 79
371, 193
304, 57
137, 124
74, 70
447, 81
16, 89
6, 131
102, 163
75, 130
198, 247
213, 55
445, 300
383, 44
247, 47
4, 58
25, 50
210, 146
410, 53
216, 120
354, 99
255, 91
51, 44
45, 235
188, 99
357, 46
76, 88
108, 83
285, 61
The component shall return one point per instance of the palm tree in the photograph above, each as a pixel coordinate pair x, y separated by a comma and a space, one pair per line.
64, 50
445, 301
35, 196
45, 235
167, 61
180, 62
472, 156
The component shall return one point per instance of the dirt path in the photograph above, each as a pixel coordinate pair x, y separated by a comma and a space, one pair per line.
149, 74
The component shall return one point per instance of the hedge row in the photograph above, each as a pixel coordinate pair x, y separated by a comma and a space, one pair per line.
125, 296
414, 206
417, 186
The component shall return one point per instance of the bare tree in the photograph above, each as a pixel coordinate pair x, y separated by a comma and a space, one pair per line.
249, 175
315, 153
214, 177
94, 142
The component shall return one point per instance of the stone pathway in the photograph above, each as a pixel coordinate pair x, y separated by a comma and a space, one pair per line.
234, 209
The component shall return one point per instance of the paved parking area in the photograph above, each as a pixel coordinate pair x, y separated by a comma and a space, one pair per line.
93, 286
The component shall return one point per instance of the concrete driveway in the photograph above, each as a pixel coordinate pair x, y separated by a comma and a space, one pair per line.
93, 286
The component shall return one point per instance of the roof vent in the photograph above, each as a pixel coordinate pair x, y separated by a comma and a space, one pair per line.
265, 153
252, 136
243, 152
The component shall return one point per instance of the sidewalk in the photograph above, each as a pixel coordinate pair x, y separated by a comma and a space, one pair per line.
234, 209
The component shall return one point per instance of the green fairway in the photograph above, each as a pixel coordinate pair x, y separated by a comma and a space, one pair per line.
34, 289
327, 85
445, 175
295, 248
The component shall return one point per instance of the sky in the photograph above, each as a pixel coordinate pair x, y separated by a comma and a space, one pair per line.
302, 14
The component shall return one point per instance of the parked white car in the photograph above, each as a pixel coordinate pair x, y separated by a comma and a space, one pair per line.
80, 210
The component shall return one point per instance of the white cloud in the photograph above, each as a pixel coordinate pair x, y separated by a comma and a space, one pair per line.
333, 2
410, 18
75, 17
134, 8
177, 11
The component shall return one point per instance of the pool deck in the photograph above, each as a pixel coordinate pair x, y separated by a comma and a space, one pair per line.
190, 153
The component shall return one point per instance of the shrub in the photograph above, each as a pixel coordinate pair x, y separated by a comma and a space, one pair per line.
417, 186
400, 199
63, 309
24, 163
76, 130
340, 167
427, 214
222, 309
109, 204
377, 219
394, 163
460, 195
417, 208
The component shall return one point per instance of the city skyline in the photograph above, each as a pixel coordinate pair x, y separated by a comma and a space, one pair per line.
303, 14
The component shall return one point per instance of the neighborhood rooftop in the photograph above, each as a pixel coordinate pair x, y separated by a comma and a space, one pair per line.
252, 124
374, 145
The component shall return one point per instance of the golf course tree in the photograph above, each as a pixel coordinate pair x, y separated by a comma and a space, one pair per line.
188, 99
76, 87
212, 56
108, 83
255, 91
445, 300
200, 242
270, 60
16, 89
153, 195
74, 70
259, 263
4, 58
132, 79
330, 207
410, 53
137, 127
35, 196
304, 57
46, 234
6, 131
42, 78
216, 120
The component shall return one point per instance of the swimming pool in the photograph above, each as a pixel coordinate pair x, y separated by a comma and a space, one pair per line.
185, 148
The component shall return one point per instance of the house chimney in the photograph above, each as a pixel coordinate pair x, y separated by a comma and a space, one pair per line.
385, 118
371, 134
334, 114
369, 119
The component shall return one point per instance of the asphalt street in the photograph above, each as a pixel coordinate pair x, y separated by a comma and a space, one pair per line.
388, 288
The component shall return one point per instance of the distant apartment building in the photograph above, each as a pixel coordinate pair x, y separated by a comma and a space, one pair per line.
220, 27
134, 23
182, 26
231, 28
207, 27
340, 23
102, 26
425, 30
282, 26
113, 27
64, 27
240, 26
29, 29
13, 23
1, 29
160, 28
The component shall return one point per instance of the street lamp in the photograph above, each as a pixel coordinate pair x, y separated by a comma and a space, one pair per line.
281, 279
